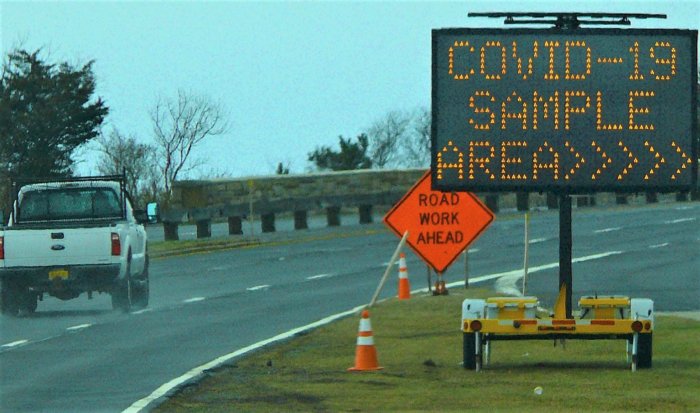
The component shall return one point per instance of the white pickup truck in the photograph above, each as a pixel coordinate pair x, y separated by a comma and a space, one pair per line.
68, 237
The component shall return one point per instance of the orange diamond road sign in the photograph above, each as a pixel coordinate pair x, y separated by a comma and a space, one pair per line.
440, 225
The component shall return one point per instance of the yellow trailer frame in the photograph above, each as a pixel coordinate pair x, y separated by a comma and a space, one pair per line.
601, 318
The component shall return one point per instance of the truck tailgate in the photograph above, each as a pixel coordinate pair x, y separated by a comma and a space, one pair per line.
55, 247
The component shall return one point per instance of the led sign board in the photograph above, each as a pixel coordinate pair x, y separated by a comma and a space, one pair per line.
565, 111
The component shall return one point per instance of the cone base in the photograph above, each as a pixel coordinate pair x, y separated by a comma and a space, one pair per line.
365, 369
365, 359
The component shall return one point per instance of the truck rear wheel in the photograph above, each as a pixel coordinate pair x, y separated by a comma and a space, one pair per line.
121, 295
9, 302
28, 300
122, 291
141, 289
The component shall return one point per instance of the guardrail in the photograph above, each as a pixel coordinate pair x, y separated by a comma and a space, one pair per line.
235, 200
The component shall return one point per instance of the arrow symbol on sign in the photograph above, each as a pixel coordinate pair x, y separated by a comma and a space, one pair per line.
684, 160
606, 160
660, 159
578, 159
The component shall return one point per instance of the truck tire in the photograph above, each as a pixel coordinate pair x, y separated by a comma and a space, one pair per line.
28, 300
142, 288
122, 291
644, 350
9, 298
469, 351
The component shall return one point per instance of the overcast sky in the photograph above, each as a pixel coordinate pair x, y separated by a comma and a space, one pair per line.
292, 75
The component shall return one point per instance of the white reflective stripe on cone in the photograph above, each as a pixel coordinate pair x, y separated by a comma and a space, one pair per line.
365, 341
365, 325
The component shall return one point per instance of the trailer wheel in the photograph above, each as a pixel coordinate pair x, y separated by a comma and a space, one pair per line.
644, 350
469, 351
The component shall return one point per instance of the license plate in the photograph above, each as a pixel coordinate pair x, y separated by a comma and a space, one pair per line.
58, 274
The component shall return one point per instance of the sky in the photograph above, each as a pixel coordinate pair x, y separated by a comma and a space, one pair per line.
292, 76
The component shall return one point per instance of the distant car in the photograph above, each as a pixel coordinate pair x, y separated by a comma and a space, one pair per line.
68, 237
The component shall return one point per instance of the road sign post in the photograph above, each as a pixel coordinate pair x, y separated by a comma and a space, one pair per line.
565, 247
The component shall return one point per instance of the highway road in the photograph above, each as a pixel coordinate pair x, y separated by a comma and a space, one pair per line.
80, 356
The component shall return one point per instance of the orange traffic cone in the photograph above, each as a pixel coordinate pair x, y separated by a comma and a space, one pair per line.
404, 284
366, 353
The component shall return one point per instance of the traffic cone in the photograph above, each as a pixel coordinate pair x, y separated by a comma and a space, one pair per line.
366, 353
404, 284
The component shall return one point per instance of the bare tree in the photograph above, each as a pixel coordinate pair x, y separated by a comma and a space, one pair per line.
385, 136
418, 143
122, 153
179, 126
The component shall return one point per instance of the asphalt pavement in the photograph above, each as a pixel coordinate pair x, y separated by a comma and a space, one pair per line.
80, 356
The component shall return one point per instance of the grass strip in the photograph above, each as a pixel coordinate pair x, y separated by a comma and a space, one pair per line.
419, 345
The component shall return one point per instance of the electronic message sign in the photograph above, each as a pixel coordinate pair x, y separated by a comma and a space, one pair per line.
571, 111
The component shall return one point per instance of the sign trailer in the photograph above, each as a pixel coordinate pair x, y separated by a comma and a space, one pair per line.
566, 110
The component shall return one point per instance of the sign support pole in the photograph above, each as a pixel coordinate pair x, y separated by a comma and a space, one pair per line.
388, 268
565, 246
527, 245
466, 267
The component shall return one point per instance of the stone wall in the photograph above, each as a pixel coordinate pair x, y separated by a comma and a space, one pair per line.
285, 193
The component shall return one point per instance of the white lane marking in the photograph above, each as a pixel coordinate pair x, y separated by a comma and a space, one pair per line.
678, 221
166, 388
683, 208
537, 240
665, 244
78, 327
258, 287
14, 343
600, 231
519, 272
316, 277
194, 300
145, 310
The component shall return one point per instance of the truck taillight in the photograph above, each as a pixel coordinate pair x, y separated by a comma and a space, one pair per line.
116, 245
2, 248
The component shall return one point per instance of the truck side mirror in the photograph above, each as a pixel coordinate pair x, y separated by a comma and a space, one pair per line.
153, 212
2, 218
141, 216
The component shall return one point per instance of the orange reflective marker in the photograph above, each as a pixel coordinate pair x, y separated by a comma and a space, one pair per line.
440, 225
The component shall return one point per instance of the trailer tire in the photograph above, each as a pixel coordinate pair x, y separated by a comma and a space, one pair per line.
644, 351
469, 351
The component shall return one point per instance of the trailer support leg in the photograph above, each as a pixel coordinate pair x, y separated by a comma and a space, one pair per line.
635, 345
477, 351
